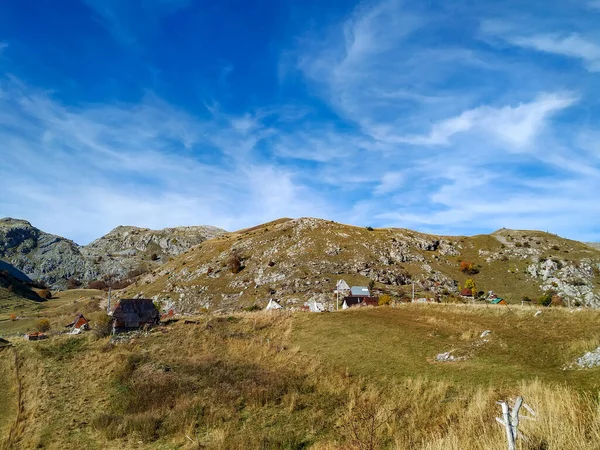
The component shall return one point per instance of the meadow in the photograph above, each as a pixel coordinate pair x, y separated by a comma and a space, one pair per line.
358, 379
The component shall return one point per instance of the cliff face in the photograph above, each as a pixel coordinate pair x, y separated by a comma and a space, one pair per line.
54, 259
294, 261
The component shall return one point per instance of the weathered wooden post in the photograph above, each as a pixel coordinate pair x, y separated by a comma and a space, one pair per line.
507, 425
510, 420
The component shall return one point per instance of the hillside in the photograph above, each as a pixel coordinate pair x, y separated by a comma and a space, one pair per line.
54, 259
297, 260
15, 286
362, 379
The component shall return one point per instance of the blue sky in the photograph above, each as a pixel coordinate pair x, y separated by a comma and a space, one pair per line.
451, 117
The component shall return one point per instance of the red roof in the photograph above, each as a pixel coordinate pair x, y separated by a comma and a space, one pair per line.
466, 292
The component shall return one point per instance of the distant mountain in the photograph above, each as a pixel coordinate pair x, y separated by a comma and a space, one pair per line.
594, 244
293, 261
54, 259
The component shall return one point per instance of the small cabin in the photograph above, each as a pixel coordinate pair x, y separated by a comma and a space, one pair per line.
79, 324
37, 336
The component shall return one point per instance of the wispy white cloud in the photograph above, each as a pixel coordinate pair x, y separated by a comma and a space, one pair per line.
454, 135
146, 164
516, 126
572, 45
567, 44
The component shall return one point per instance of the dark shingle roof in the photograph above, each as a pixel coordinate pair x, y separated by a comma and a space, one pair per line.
135, 312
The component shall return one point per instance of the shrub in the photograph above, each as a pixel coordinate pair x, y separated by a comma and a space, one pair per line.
468, 267
103, 326
121, 284
370, 228
557, 300
42, 325
234, 263
153, 256
73, 283
546, 299
13, 317
385, 299
469, 284
98, 284
45, 293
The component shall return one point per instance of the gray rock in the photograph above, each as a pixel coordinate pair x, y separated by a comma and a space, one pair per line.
54, 259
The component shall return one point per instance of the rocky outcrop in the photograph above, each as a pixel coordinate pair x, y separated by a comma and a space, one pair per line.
294, 261
54, 259
573, 281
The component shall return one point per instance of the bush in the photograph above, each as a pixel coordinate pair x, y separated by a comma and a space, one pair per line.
546, 299
234, 263
98, 284
13, 317
468, 267
370, 228
122, 284
73, 283
385, 299
153, 256
42, 325
103, 326
45, 293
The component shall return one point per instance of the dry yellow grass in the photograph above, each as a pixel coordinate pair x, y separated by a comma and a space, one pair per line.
256, 380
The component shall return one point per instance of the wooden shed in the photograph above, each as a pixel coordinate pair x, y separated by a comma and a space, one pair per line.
134, 313
37, 336
80, 323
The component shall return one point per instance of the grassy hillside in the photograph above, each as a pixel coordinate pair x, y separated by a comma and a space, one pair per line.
295, 260
331, 381
59, 310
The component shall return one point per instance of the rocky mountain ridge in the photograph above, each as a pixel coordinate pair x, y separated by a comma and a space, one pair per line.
294, 261
54, 259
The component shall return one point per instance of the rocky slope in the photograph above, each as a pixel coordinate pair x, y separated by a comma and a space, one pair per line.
54, 259
297, 260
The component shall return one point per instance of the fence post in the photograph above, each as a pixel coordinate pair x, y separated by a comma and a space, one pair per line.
507, 424
510, 420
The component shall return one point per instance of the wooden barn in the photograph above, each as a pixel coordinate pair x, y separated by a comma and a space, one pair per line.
134, 313
79, 324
